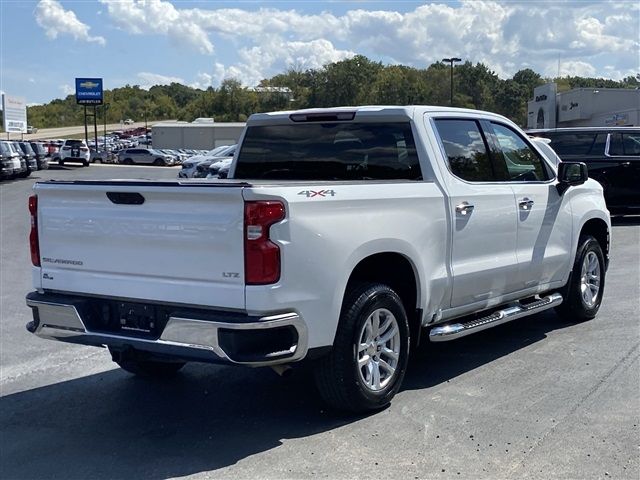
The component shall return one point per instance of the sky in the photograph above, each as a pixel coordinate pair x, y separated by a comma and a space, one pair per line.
45, 44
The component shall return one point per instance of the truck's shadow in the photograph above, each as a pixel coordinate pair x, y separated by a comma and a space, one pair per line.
111, 425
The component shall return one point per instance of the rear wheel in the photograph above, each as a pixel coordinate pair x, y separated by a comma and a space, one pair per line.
369, 357
128, 161
60, 162
159, 162
583, 292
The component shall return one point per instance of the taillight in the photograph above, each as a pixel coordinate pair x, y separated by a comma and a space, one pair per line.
34, 245
84, 149
261, 255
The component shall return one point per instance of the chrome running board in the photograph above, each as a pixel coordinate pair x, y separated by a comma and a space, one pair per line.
451, 331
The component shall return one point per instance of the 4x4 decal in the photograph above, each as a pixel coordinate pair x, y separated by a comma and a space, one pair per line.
319, 193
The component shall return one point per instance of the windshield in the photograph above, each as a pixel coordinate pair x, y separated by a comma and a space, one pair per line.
26, 148
329, 151
217, 150
38, 148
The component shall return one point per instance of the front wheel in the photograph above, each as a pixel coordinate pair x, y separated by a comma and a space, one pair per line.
369, 357
159, 162
583, 292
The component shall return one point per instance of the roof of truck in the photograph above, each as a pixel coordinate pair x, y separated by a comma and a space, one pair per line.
406, 111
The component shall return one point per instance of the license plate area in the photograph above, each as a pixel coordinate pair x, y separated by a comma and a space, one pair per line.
141, 319
75, 152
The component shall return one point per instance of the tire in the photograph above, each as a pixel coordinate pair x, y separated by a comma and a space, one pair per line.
60, 162
340, 382
148, 368
85, 164
128, 161
589, 273
159, 162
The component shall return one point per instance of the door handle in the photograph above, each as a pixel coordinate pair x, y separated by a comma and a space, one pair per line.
525, 204
464, 208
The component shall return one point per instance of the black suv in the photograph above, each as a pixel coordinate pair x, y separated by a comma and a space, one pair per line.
612, 155
42, 155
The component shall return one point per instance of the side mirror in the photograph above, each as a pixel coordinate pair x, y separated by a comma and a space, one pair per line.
571, 174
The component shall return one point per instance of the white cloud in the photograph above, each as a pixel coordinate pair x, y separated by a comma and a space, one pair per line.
158, 17
505, 35
67, 89
148, 80
570, 67
55, 20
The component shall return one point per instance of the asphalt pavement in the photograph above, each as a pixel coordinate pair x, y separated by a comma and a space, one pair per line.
536, 398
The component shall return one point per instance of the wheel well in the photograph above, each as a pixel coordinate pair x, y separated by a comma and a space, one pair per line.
598, 229
394, 270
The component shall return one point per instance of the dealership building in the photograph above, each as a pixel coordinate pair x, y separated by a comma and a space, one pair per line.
199, 136
583, 107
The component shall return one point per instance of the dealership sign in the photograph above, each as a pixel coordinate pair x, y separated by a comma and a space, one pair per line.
89, 91
14, 114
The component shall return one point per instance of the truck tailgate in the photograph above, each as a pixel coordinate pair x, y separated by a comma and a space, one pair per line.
183, 244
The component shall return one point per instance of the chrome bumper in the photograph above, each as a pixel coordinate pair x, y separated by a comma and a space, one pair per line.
182, 337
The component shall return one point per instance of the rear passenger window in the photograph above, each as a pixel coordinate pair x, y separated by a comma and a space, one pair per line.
624, 144
466, 150
522, 162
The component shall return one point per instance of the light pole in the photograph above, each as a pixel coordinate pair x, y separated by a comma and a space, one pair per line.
105, 107
451, 61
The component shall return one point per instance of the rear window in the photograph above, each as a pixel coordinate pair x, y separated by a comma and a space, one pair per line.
74, 143
329, 151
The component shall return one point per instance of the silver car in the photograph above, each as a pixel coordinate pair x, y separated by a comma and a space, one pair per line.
145, 156
189, 166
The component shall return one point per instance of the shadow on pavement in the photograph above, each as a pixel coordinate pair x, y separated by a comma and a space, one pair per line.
436, 363
112, 425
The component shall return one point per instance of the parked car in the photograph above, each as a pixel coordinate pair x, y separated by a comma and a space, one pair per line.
177, 156
220, 169
103, 156
74, 151
29, 155
202, 168
342, 235
190, 165
10, 161
31, 129
148, 156
42, 155
128, 121
612, 155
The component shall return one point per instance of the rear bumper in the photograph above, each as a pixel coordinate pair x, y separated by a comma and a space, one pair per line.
246, 340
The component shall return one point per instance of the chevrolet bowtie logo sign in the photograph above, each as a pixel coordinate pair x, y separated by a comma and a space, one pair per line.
89, 91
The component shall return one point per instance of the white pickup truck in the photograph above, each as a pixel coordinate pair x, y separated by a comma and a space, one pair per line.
341, 235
